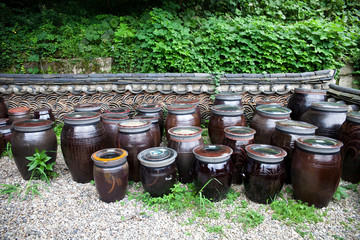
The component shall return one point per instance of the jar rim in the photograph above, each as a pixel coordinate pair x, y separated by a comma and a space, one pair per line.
32, 125
265, 153
330, 106
227, 110
269, 102
119, 110
181, 108
87, 107
19, 111
273, 111
293, 126
353, 116
239, 131
319, 144
229, 96
149, 107
113, 117
133, 125
149, 118
119, 159
81, 118
192, 131
212, 153
187, 101
157, 156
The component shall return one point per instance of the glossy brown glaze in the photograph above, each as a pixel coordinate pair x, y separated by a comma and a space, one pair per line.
269, 102
110, 121
152, 110
19, 113
29, 135
121, 111
228, 98
190, 101
154, 128
2, 144
7, 131
44, 113
3, 108
88, 107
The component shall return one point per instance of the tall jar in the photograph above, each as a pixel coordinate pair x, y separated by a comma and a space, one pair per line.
228, 98
213, 168
264, 172
284, 136
152, 110
120, 111
316, 169
183, 140
181, 115
82, 135
158, 170
110, 121
237, 138
19, 113
111, 172
264, 121
154, 128
328, 116
31, 134
350, 152
302, 98
190, 101
88, 107
44, 113
3, 108
134, 136
223, 116
7, 131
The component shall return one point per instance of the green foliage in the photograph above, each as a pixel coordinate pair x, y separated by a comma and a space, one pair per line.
40, 166
10, 190
8, 152
340, 194
57, 129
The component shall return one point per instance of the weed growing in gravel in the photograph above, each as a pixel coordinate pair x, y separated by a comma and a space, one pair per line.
353, 187
340, 194
58, 126
7, 151
40, 166
10, 190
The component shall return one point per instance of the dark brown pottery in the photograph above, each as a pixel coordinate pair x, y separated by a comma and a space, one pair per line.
19, 113
284, 136
88, 107
154, 128
82, 135
3, 108
228, 98
237, 138
111, 172
120, 110
300, 101
28, 135
269, 102
44, 113
183, 140
328, 116
134, 136
158, 170
152, 110
213, 168
181, 115
264, 172
2, 144
350, 152
264, 121
4, 121
7, 131
316, 169
223, 116
110, 121
190, 101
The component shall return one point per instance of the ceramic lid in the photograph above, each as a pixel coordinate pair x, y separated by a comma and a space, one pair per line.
185, 132
239, 132
181, 108
265, 153
32, 125
109, 157
227, 110
353, 116
319, 144
122, 111
330, 106
149, 107
296, 127
43, 111
19, 111
81, 118
268, 102
157, 157
6, 129
113, 117
273, 111
228, 96
187, 101
134, 126
310, 91
87, 107
213, 153
4, 121
149, 118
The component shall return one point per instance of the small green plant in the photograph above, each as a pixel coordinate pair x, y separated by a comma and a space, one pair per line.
92, 182
340, 194
249, 218
57, 129
40, 166
10, 190
353, 187
214, 229
7, 152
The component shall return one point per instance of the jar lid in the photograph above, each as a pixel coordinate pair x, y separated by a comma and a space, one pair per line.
269, 102
273, 111
354, 116
265, 153
109, 157
32, 125
185, 132
81, 118
227, 110
330, 106
87, 107
213, 153
43, 110
310, 91
157, 157
181, 108
122, 111
4, 121
187, 101
239, 132
319, 144
133, 126
6, 129
296, 127
228, 96
113, 118
149, 107
149, 118
19, 111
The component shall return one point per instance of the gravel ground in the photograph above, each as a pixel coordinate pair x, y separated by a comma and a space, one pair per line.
69, 210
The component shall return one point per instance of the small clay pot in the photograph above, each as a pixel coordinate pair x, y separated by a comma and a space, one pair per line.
19, 113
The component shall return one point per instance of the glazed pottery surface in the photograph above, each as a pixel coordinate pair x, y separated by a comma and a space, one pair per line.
152, 110
190, 101
121, 111
7, 131
154, 128
88, 107
228, 98
269, 102
110, 121
3, 108
44, 113
19, 113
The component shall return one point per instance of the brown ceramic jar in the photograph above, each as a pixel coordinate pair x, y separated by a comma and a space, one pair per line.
264, 172
3, 108
28, 135
7, 131
183, 140
228, 98
302, 98
237, 138
88, 107
316, 169
82, 135
111, 172
350, 152
44, 113
152, 110
269, 102
213, 168
120, 110
328, 116
158, 170
181, 115
110, 121
284, 136
264, 121
134, 136
154, 128
19, 113
223, 116
190, 101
